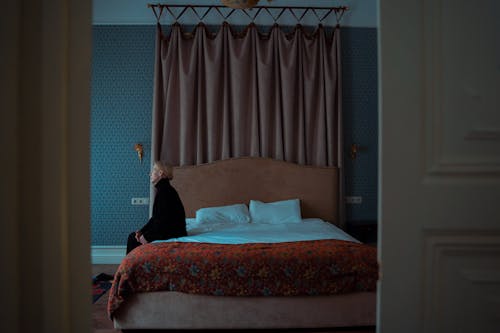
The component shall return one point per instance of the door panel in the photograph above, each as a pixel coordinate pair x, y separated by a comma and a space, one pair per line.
439, 154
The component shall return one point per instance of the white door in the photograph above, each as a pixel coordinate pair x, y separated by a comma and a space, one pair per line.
439, 166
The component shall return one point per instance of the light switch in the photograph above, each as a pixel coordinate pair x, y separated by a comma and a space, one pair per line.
140, 201
354, 200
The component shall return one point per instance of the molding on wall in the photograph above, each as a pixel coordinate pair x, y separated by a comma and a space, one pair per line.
107, 254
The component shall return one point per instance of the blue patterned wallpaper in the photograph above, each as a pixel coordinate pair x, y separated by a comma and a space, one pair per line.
122, 88
359, 82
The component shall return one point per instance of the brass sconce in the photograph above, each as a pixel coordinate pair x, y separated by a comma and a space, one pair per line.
140, 151
354, 150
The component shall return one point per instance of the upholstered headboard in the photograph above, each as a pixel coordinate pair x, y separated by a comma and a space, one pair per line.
239, 180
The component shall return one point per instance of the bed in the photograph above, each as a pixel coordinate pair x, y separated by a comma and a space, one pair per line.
146, 295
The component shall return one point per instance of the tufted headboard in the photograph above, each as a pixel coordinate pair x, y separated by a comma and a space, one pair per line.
238, 180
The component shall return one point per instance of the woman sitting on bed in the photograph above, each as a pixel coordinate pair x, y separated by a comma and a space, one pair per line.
168, 219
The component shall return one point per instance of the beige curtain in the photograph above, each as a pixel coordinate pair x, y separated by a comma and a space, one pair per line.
247, 94
231, 94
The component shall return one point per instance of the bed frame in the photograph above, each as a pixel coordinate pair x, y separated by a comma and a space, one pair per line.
238, 181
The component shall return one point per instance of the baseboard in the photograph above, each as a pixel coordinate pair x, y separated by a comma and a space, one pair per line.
108, 254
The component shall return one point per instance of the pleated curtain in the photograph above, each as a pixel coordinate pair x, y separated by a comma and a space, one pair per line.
232, 94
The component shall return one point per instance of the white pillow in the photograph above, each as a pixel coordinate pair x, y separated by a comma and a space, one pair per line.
190, 224
278, 212
231, 214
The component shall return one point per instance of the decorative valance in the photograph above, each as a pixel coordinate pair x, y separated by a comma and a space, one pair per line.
175, 13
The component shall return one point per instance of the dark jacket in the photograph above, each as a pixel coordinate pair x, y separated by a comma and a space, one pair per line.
168, 219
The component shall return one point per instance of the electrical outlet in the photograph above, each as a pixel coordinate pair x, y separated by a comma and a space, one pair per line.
354, 200
140, 201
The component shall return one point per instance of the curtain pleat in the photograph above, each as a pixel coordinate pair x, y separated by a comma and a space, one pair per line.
230, 95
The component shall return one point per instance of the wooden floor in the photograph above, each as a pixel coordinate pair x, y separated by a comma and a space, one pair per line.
101, 323
100, 320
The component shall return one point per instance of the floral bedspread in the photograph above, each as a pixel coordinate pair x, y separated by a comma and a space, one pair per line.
320, 267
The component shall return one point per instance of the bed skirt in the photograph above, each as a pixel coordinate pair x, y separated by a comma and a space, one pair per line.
175, 310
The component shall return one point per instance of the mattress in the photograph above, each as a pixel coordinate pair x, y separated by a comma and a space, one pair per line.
309, 258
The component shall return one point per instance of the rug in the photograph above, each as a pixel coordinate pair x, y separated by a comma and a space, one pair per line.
99, 288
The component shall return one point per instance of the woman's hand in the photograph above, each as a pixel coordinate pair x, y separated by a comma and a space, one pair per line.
142, 240
138, 235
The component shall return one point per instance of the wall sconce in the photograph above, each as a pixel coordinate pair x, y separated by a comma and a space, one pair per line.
354, 151
140, 151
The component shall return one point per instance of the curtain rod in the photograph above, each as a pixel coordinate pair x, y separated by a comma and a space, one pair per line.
338, 11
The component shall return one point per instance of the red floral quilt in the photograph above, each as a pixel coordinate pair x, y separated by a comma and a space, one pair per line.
320, 267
